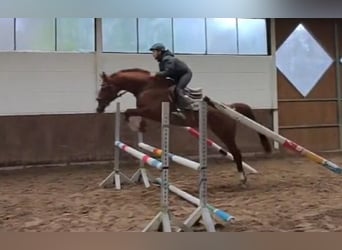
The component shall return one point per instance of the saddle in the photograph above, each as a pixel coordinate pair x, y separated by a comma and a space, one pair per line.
193, 94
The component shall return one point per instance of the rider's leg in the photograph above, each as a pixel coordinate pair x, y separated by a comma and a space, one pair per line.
180, 92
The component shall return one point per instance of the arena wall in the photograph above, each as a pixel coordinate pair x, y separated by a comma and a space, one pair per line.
47, 103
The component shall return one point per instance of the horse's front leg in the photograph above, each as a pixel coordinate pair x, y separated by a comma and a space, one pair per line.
135, 120
135, 112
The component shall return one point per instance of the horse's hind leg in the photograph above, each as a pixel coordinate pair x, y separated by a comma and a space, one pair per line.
225, 128
236, 153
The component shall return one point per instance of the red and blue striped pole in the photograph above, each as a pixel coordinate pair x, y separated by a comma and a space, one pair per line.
219, 149
276, 137
141, 156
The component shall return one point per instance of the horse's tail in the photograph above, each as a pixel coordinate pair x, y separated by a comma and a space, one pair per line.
247, 111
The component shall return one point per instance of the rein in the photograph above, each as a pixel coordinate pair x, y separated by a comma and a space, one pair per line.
122, 93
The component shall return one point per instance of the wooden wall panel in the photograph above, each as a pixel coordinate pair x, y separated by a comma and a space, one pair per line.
316, 139
46, 139
307, 120
308, 113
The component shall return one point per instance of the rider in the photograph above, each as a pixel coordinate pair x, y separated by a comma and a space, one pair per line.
170, 66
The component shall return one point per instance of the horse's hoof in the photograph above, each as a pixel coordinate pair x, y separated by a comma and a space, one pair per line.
243, 178
179, 115
243, 184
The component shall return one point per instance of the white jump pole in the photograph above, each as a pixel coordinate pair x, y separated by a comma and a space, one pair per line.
219, 149
114, 178
276, 137
141, 156
222, 215
175, 158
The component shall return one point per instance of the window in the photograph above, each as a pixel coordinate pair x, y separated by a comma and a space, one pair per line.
186, 35
221, 36
76, 34
189, 35
35, 34
153, 30
7, 34
302, 60
252, 36
120, 35
136, 35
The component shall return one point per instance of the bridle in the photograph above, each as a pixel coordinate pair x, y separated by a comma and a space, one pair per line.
118, 95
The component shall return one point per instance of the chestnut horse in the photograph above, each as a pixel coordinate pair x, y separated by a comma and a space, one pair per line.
150, 92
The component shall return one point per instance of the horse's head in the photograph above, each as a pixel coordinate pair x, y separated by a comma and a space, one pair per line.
108, 92
133, 80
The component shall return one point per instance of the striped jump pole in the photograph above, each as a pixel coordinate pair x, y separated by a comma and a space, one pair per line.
175, 158
276, 137
219, 149
141, 156
224, 216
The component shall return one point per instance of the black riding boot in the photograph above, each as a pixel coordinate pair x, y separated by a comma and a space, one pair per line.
183, 102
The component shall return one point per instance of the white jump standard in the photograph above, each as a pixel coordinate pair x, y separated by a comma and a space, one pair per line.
114, 178
164, 217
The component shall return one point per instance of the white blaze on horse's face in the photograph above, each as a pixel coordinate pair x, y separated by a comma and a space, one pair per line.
105, 96
134, 123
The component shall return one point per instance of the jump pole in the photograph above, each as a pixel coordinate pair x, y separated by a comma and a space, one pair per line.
224, 216
175, 158
276, 137
219, 149
116, 178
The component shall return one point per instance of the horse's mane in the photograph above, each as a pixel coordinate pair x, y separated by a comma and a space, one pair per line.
139, 70
145, 74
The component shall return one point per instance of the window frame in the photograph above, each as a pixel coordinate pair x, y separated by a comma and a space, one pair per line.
96, 49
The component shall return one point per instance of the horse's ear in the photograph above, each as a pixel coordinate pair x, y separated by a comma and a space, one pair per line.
103, 76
